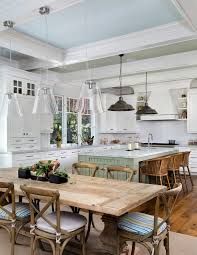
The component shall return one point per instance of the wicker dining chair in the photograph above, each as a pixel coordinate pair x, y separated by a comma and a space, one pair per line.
186, 169
57, 228
174, 169
157, 168
121, 170
13, 216
78, 168
144, 228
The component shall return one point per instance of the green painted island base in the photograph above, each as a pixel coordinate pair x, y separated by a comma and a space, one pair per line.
127, 159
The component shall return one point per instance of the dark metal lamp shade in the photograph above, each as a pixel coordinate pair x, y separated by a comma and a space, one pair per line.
146, 109
120, 106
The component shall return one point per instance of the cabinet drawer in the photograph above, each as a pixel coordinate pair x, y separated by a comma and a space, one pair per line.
16, 141
30, 140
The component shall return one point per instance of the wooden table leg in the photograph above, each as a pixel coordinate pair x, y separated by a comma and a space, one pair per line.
109, 235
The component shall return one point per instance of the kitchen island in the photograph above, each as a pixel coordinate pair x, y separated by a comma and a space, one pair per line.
123, 157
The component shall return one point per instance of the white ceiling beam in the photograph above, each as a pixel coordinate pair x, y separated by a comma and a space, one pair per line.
187, 8
134, 42
174, 61
32, 10
149, 38
32, 47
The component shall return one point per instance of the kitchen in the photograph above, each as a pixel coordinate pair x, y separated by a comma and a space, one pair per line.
121, 99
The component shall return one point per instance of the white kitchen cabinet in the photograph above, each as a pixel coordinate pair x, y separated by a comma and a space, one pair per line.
191, 111
118, 122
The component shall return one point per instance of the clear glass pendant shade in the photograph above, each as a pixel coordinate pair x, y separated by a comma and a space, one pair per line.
90, 90
45, 102
10, 104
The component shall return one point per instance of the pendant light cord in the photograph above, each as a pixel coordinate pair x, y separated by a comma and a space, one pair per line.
120, 76
47, 42
146, 101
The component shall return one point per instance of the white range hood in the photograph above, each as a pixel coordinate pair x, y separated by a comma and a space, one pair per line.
155, 117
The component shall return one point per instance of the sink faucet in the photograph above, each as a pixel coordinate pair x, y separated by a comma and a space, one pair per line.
150, 139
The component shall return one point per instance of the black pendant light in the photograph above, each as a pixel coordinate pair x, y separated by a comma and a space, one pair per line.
146, 109
120, 105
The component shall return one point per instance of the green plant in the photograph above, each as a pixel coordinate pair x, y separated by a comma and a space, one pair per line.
61, 174
42, 168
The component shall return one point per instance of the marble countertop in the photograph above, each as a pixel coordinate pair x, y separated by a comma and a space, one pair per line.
142, 153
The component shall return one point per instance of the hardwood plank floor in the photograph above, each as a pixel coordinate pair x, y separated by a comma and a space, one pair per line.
184, 216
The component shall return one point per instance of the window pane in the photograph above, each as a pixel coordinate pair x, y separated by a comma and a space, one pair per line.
86, 127
72, 128
57, 128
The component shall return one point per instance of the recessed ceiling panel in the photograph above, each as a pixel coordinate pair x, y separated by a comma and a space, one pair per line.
94, 20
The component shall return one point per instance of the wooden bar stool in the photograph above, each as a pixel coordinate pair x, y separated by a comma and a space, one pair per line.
129, 172
174, 168
185, 167
158, 168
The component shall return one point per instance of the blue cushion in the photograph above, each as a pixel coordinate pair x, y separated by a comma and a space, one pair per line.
139, 223
22, 211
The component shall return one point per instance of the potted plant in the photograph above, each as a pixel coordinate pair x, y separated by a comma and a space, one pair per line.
58, 177
43, 169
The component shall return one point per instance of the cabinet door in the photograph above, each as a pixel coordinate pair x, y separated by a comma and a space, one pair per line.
31, 121
192, 116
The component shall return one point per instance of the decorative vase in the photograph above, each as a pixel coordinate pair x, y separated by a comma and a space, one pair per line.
59, 143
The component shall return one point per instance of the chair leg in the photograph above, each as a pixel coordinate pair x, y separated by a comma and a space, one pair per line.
161, 180
89, 225
185, 178
168, 182
32, 245
57, 249
167, 244
174, 175
82, 239
180, 178
13, 232
190, 176
156, 249
133, 248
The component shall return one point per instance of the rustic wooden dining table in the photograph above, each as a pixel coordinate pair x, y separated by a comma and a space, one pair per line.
110, 198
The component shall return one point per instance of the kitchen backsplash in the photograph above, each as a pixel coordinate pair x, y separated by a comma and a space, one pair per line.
162, 132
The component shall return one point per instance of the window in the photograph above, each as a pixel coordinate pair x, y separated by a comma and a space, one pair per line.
86, 121
58, 121
78, 123
70, 126
72, 121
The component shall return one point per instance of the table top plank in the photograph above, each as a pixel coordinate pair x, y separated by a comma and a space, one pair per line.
91, 193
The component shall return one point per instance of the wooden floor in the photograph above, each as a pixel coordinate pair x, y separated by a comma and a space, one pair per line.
184, 217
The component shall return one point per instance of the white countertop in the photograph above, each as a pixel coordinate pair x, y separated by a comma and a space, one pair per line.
142, 153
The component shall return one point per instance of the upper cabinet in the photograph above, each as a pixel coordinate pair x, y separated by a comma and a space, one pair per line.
192, 116
117, 122
21, 86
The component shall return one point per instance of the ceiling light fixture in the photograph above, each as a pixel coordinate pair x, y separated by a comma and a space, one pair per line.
45, 100
146, 109
90, 97
9, 101
121, 105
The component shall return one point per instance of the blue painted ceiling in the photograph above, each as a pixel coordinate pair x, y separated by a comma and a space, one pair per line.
94, 20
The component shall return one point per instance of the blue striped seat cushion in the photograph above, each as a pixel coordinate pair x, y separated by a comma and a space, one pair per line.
139, 223
22, 211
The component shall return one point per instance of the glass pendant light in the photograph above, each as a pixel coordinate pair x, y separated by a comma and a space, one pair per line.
90, 98
146, 109
10, 104
121, 105
9, 101
45, 101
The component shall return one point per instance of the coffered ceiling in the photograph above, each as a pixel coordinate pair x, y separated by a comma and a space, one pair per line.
95, 20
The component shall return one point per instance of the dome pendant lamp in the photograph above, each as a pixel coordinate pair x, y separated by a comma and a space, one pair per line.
120, 105
146, 109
